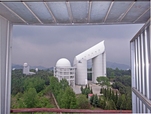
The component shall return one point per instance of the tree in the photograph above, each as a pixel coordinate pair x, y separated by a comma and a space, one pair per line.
110, 105
44, 102
113, 97
116, 98
86, 90
54, 85
119, 102
30, 98
128, 104
95, 101
68, 99
91, 99
102, 80
105, 92
82, 102
17, 81
110, 93
102, 103
59, 97
64, 84
123, 104
82, 90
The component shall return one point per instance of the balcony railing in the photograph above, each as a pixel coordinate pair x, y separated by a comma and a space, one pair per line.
32, 110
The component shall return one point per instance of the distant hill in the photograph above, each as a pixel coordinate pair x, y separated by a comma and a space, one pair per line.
109, 64
39, 67
16, 66
114, 65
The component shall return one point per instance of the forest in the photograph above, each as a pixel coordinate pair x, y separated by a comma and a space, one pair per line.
37, 91
29, 91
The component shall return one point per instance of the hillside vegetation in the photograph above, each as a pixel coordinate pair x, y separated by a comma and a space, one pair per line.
36, 91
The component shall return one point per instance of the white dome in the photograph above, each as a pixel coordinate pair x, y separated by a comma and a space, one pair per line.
25, 64
63, 62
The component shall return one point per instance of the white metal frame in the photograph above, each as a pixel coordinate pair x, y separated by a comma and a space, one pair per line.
141, 70
5, 65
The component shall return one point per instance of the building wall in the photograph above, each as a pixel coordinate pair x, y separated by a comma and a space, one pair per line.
25, 69
67, 73
98, 56
98, 67
141, 70
81, 72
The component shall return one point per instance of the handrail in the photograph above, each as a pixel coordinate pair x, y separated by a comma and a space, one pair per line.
142, 97
67, 110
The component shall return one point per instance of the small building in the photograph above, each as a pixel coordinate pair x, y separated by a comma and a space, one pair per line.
63, 70
26, 69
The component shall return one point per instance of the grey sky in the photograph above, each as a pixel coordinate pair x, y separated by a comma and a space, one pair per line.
44, 45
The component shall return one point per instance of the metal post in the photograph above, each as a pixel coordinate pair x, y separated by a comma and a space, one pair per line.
141, 69
5, 65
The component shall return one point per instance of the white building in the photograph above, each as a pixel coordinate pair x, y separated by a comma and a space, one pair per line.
63, 70
78, 73
98, 56
26, 68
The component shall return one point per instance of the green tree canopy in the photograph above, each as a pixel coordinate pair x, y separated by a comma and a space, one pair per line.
82, 102
102, 80
30, 98
68, 99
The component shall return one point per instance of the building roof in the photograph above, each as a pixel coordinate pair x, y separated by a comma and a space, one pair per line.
63, 62
25, 64
92, 52
49, 12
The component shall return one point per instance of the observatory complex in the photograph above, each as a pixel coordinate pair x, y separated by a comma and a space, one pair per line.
78, 73
63, 70
91, 12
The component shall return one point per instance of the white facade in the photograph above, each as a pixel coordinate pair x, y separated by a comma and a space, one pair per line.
26, 69
78, 73
63, 70
98, 56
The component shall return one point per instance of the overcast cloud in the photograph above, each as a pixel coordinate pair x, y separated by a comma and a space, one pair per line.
44, 45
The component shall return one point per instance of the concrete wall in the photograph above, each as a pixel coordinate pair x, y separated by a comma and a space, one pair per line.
98, 67
81, 72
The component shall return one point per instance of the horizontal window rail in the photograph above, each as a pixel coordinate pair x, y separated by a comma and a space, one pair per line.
67, 110
142, 97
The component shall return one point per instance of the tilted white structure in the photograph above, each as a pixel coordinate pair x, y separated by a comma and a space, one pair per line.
63, 70
98, 56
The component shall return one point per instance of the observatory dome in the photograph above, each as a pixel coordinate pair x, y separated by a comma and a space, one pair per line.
63, 62
25, 64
